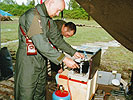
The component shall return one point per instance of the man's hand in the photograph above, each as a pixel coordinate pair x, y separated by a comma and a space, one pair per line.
70, 63
78, 55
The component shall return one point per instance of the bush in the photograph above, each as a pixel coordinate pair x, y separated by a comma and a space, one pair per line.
76, 14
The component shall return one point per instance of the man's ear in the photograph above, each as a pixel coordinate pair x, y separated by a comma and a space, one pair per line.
63, 25
62, 28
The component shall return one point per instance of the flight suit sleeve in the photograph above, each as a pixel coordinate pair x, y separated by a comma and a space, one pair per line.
42, 44
57, 40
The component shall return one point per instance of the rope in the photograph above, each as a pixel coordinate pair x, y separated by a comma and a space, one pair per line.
69, 89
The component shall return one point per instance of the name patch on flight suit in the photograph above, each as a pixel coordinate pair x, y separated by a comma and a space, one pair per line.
35, 27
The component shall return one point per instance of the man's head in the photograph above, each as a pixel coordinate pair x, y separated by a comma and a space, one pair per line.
54, 7
68, 29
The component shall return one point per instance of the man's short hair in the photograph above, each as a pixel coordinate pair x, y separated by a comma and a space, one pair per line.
71, 26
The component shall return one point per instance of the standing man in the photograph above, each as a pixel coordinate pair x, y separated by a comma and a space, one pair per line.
35, 28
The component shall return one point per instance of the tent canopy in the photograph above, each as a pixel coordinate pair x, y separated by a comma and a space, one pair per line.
115, 16
3, 13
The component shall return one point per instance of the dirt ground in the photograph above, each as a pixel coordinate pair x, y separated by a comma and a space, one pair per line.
7, 86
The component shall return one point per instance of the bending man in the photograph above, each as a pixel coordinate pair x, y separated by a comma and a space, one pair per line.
67, 29
36, 28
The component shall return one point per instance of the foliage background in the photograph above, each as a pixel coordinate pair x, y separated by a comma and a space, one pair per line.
74, 11
15, 9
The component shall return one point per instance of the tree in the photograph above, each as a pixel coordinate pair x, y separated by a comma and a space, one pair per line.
31, 2
73, 5
9, 2
23, 3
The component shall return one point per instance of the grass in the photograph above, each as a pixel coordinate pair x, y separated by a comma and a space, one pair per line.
115, 58
81, 21
89, 35
9, 30
119, 59
12, 46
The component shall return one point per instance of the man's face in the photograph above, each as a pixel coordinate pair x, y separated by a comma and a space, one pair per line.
56, 8
55, 12
66, 32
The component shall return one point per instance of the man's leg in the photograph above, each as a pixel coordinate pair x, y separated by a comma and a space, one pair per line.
29, 79
40, 86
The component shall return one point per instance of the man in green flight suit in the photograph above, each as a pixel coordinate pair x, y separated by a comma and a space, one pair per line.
67, 29
36, 28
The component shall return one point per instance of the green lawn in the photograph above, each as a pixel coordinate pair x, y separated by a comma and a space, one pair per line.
115, 58
81, 21
119, 59
89, 35
9, 30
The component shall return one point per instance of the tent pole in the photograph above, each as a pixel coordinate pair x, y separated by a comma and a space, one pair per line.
0, 32
61, 14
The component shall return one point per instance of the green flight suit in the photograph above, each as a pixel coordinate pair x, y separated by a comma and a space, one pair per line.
30, 71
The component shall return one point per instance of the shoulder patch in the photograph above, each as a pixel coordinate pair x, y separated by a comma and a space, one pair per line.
35, 27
